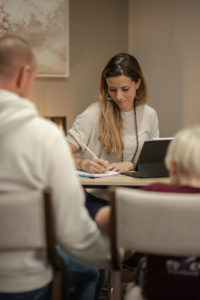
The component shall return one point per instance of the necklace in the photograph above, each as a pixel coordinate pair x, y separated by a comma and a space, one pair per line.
136, 133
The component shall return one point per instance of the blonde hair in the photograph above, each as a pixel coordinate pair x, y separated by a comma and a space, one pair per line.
110, 130
184, 151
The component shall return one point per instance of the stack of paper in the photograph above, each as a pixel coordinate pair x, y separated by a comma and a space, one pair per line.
96, 175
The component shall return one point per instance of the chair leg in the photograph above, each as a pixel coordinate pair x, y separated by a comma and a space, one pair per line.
59, 287
116, 284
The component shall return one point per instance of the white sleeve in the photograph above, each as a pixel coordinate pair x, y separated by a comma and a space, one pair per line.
77, 233
83, 126
154, 129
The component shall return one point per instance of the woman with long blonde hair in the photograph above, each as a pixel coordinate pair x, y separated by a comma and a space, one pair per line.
116, 127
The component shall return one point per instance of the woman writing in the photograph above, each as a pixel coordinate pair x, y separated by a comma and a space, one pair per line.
116, 127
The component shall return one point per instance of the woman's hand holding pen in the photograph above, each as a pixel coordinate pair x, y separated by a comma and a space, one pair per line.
96, 165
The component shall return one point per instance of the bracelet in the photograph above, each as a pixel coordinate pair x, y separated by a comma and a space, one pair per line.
82, 164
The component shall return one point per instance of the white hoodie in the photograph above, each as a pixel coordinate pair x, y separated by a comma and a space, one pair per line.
33, 155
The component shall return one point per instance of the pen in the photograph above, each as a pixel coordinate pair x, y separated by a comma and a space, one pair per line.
94, 156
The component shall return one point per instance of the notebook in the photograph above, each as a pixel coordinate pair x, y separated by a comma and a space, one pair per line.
96, 175
150, 163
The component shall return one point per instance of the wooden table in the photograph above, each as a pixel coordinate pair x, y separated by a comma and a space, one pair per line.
119, 180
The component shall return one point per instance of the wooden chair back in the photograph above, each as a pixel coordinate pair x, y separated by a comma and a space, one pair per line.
27, 222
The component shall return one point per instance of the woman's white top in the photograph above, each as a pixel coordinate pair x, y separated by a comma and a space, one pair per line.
86, 130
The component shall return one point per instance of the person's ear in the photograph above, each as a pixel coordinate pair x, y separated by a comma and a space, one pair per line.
22, 79
173, 168
138, 83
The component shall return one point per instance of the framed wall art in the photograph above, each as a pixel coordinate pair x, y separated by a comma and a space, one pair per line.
45, 25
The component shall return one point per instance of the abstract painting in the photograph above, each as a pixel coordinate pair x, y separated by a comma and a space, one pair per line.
45, 25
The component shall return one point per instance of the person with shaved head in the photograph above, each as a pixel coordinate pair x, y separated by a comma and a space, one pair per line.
33, 155
18, 65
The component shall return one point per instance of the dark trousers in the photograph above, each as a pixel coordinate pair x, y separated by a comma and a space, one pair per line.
43, 293
93, 204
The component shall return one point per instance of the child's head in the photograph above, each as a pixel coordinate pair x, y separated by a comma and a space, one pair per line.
183, 155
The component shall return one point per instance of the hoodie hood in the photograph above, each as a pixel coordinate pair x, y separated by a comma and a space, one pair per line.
14, 111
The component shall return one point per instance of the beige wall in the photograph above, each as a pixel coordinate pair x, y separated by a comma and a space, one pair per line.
98, 30
164, 36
